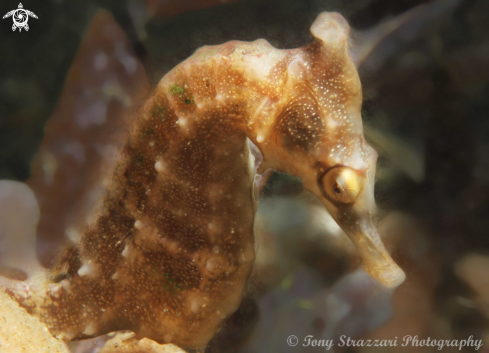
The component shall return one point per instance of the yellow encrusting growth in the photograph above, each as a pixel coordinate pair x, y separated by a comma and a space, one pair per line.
21, 332
125, 343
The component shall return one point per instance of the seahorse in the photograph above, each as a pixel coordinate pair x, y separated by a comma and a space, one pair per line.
171, 246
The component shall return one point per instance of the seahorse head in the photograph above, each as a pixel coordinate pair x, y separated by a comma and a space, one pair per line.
318, 136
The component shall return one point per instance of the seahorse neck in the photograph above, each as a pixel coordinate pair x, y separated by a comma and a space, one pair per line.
240, 83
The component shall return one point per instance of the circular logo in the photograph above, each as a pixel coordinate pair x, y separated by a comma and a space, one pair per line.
292, 340
20, 17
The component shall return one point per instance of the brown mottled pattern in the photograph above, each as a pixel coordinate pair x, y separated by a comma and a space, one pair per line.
172, 246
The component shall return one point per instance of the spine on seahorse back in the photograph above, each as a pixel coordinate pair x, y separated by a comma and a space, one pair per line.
172, 244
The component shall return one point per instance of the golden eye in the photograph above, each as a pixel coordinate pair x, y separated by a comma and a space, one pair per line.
342, 184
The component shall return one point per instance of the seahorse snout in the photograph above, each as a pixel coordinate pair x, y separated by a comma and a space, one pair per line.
348, 195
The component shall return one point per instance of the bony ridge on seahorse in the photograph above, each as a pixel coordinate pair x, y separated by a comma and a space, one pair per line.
171, 245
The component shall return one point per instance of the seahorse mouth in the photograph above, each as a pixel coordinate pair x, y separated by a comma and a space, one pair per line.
377, 261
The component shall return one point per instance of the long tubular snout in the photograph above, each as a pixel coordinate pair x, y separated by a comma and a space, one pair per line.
377, 261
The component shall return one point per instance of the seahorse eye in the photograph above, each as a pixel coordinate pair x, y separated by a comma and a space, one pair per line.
342, 184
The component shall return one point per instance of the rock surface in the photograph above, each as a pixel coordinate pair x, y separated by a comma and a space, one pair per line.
21, 332
124, 343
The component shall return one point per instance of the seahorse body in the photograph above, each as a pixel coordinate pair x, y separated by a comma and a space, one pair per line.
171, 246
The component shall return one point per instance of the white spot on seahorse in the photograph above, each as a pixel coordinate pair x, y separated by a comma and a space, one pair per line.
127, 251
196, 301
90, 329
138, 225
66, 336
160, 166
215, 230
212, 265
88, 269
182, 121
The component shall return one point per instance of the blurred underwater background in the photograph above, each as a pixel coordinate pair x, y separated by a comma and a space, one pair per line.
71, 84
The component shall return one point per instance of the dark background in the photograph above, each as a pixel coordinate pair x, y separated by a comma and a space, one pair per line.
426, 84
